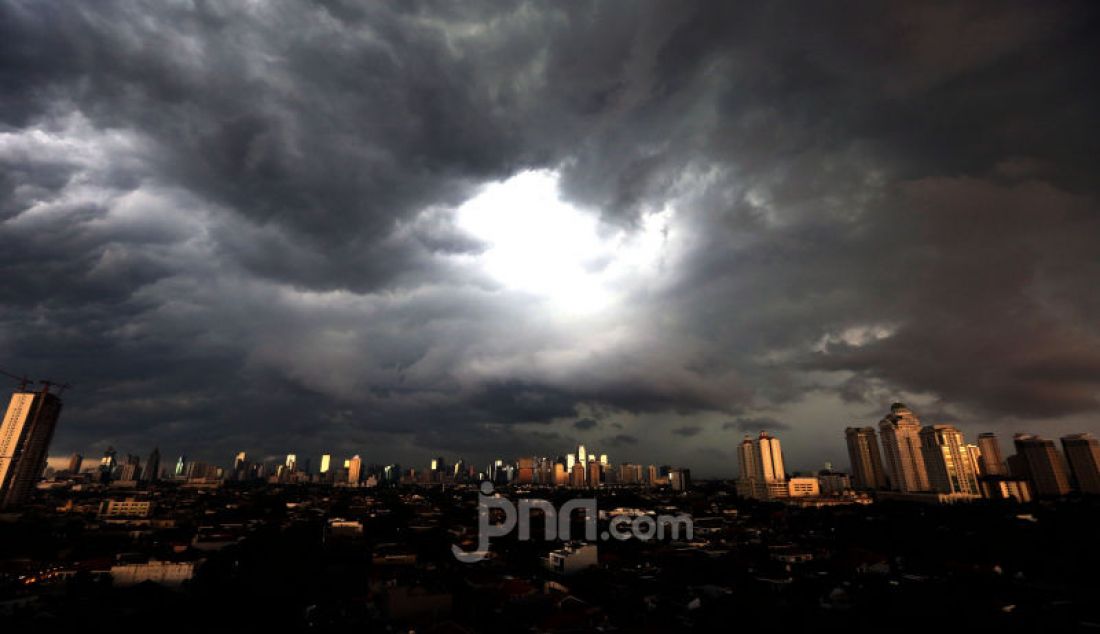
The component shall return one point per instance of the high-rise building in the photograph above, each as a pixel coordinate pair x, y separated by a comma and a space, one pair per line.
901, 445
762, 474
151, 472
326, 463
181, 467
130, 470
525, 470
992, 462
594, 472
25, 436
291, 462
355, 466
437, 464
107, 464
561, 476
576, 479
630, 473
770, 464
75, 462
746, 454
241, 467
863, 451
544, 471
948, 462
570, 460
746, 461
1040, 462
582, 455
974, 455
679, 479
651, 475
1083, 455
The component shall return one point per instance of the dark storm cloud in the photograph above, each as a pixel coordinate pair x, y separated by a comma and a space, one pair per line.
755, 424
585, 424
232, 225
619, 440
687, 431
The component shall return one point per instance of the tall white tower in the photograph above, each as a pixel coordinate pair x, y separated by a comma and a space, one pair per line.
901, 446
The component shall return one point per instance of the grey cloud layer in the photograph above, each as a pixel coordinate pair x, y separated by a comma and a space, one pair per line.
231, 226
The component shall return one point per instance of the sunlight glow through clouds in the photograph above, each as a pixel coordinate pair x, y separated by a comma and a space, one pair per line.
541, 245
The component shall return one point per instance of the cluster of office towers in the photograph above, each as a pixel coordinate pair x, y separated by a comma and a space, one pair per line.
579, 469
590, 469
763, 476
917, 458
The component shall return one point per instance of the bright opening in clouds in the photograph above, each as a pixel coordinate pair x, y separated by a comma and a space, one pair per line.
539, 244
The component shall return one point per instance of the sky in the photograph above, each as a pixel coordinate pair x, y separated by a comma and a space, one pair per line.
490, 229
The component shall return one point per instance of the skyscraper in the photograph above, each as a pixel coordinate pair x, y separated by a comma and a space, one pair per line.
770, 465
1083, 455
355, 466
974, 454
761, 470
181, 467
746, 460
576, 477
525, 470
561, 476
151, 473
1042, 464
863, 451
75, 461
25, 436
947, 460
679, 479
901, 444
594, 472
746, 454
131, 469
107, 464
992, 462
326, 463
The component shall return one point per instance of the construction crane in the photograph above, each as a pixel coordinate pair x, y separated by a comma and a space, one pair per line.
46, 383
23, 380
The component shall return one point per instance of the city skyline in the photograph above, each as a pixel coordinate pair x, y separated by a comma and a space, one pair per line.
731, 471
912, 458
904, 460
